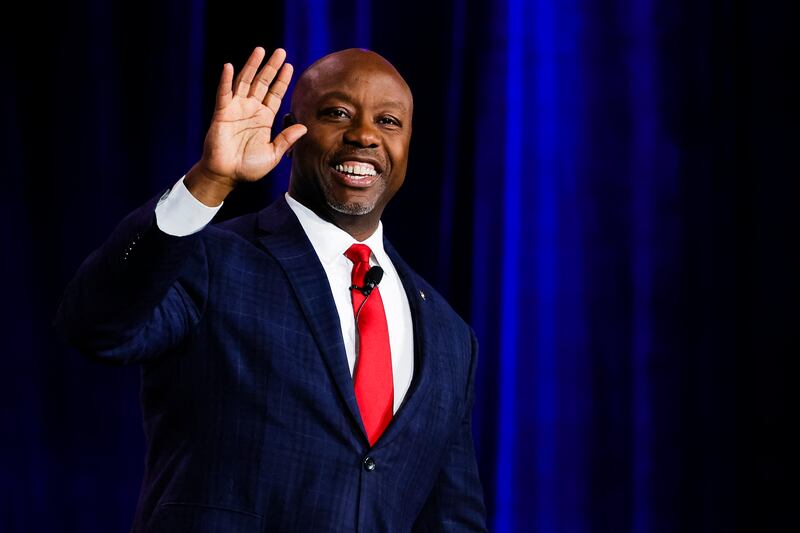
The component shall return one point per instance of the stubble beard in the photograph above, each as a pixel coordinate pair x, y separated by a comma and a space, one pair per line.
351, 208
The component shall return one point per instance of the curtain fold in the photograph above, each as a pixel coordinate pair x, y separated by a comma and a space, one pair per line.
594, 186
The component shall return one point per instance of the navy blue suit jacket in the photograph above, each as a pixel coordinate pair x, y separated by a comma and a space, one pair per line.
248, 404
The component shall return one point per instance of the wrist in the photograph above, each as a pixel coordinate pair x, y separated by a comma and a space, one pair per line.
209, 188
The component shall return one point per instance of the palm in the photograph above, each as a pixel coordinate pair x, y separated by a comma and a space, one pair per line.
239, 142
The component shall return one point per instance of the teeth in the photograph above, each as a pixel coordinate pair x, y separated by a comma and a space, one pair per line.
357, 170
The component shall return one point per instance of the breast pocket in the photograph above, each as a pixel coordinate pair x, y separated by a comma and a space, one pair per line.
202, 518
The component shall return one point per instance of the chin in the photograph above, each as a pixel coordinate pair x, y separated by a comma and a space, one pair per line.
351, 208
345, 202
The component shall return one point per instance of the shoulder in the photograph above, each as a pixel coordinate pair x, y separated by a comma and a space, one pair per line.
248, 228
439, 312
244, 227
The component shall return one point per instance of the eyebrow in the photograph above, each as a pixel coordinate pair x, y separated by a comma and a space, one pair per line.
342, 96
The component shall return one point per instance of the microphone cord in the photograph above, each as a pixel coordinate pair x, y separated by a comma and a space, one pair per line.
372, 279
360, 307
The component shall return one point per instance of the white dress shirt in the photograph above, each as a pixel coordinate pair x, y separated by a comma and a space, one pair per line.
179, 213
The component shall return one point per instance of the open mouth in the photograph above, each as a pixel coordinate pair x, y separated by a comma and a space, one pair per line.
356, 173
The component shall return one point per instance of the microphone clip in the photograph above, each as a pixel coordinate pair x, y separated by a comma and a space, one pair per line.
371, 280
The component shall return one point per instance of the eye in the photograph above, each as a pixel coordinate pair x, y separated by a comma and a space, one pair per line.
389, 120
335, 113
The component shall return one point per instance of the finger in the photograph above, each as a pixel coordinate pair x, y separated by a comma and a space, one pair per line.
285, 139
278, 88
245, 77
265, 77
224, 92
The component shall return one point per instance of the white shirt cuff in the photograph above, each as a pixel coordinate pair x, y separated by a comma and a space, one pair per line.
180, 214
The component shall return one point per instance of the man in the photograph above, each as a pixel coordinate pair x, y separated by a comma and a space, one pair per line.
286, 386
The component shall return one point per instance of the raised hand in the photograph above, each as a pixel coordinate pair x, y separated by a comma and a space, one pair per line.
239, 145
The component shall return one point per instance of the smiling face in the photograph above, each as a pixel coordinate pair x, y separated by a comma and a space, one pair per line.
353, 159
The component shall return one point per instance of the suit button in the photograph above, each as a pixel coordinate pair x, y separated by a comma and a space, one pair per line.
369, 464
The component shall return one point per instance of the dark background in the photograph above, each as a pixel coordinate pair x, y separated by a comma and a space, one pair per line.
604, 189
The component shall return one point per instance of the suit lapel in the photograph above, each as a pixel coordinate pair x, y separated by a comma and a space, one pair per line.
284, 238
421, 382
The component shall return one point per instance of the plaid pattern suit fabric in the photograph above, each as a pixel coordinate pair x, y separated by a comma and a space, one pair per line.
248, 404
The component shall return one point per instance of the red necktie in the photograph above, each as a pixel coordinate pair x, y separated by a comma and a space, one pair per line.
373, 372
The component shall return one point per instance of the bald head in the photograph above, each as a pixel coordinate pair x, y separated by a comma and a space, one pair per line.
353, 63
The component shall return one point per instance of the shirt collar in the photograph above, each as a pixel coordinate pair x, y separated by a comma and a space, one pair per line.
331, 242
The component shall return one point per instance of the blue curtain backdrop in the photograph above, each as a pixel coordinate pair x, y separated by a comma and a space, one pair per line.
599, 187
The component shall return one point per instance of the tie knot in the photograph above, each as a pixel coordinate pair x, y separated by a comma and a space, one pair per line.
358, 253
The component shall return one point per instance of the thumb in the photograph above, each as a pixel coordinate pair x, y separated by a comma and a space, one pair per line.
287, 138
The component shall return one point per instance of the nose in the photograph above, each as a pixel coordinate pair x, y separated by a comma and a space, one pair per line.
362, 133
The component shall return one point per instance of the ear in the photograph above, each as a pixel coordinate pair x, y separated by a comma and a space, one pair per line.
288, 120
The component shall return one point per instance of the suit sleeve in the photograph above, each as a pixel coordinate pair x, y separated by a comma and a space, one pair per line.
126, 303
456, 500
